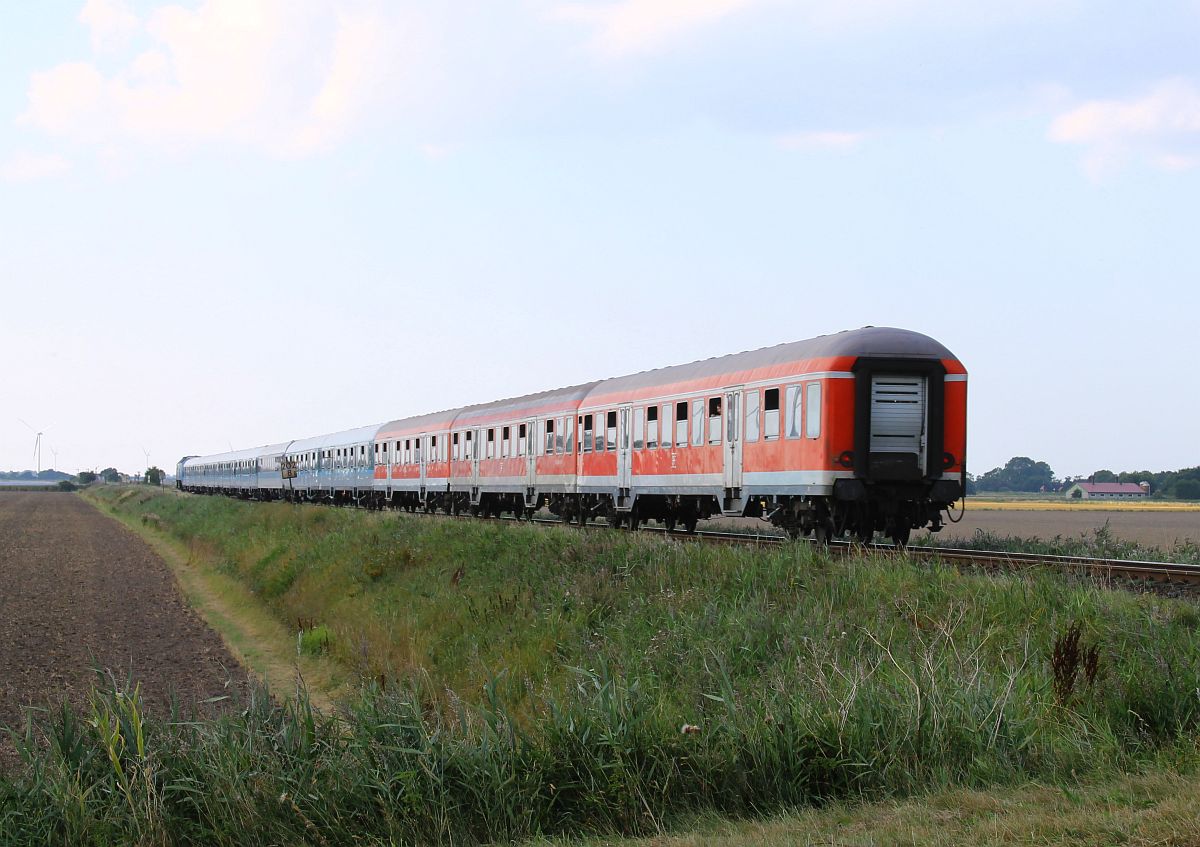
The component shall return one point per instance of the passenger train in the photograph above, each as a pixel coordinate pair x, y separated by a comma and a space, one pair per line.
857, 432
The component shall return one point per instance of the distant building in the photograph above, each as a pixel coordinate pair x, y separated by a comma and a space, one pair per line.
1108, 490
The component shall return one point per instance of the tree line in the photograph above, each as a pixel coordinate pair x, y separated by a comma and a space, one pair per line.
1022, 473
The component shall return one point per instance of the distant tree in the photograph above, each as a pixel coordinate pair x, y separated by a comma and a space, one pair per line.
154, 476
111, 475
86, 477
1020, 473
1105, 476
66, 485
1188, 489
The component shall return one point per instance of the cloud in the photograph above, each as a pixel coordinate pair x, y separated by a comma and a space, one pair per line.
818, 141
1161, 126
288, 78
625, 28
30, 167
111, 22
639, 26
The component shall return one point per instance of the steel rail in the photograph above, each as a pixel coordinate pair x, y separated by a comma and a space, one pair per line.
1172, 572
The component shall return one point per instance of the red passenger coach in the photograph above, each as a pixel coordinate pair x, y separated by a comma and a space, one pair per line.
857, 432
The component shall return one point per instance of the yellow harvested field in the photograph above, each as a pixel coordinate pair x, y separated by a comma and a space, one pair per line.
983, 504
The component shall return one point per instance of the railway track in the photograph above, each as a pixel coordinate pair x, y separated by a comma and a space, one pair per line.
1164, 574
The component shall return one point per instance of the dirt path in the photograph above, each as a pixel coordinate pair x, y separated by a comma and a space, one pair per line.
78, 590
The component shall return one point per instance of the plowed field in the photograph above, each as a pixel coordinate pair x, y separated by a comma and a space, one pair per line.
77, 592
1158, 529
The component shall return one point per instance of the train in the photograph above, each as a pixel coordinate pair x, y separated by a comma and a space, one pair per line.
853, 433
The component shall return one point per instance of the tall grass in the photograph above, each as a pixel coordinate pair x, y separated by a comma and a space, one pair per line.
547, 682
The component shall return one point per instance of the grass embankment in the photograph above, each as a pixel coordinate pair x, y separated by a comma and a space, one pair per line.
525, 681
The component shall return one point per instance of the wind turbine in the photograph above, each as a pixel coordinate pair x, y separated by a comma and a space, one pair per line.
37, 445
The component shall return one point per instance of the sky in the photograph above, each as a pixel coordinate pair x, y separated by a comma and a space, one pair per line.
226, 223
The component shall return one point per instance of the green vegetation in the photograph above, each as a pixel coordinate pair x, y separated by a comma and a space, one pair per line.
1019, 473
1100, 543
523, 681
1022, 474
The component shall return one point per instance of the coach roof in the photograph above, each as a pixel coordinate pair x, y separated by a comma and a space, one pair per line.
868, 341
236, 455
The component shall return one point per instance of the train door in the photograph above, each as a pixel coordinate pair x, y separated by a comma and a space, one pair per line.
624, 454
733, 439
423, 460
531, 445
898, 418
475, 445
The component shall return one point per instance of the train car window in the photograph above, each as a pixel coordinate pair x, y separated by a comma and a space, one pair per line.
793, 411
569, 435
506, 442
697, 422
491, 444
771, 414
611, 427
586, 429
522, 440
470, 447
434, 450
559, 443
548, 436
651, 427
639, 428
751, 416
681, 419
812, 418
714, 420
443, 452
457, 447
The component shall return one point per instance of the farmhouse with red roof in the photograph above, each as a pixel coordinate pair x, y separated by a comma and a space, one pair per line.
1108, 490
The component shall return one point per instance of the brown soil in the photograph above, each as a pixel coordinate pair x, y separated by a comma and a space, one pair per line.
78, 592
1159, 529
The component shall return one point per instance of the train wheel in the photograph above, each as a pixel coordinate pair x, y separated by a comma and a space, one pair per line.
900, 536
821, 535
